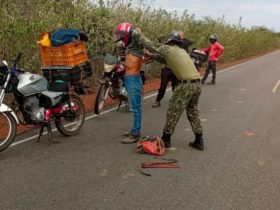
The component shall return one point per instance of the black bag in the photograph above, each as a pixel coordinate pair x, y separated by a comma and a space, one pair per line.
72, 75
58, 86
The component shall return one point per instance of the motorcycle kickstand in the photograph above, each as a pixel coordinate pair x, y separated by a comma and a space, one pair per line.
120, 104
49, 130
40, 133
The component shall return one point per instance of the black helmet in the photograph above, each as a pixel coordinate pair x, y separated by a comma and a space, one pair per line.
214, 37
173, 36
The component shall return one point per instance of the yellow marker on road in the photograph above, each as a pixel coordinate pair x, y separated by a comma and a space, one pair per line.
276, 86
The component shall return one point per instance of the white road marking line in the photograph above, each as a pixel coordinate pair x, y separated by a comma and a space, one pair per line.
115, 108
276, 86
146, 97
30, 138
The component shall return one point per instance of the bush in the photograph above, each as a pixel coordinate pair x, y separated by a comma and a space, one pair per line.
22, 22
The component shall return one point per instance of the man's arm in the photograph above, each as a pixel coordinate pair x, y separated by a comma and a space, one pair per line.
155, 56
158, 48
206, 50
159, 58
220, 51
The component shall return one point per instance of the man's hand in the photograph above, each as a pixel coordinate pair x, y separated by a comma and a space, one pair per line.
147, 53
147, 56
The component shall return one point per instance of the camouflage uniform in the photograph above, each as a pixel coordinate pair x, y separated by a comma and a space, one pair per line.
135, 47
187, 91
185, 96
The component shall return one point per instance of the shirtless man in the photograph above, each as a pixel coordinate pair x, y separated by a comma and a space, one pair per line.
129, 35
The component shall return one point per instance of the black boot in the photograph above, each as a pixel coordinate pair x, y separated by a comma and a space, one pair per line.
198, 142
166, 139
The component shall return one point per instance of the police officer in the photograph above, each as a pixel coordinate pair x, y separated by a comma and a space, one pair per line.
187, 91
167, 74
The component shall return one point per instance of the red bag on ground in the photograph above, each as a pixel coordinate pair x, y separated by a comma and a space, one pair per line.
151, 145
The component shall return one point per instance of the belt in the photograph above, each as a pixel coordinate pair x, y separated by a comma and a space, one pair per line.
169, 163
189, 81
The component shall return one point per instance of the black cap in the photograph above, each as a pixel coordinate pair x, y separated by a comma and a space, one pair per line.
173, 36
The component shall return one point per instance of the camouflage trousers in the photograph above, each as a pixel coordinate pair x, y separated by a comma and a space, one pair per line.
185, 97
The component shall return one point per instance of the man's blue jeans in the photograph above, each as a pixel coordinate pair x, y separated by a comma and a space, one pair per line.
134, 85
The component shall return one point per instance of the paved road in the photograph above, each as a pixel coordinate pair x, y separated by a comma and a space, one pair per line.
239, 168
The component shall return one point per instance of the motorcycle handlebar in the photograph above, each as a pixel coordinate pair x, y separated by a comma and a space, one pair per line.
18, 56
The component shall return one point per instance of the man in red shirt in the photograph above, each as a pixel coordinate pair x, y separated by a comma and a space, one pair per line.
214, 51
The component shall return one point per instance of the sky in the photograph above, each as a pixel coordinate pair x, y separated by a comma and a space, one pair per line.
253, 12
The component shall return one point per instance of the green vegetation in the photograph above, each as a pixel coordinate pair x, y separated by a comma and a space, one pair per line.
22, 22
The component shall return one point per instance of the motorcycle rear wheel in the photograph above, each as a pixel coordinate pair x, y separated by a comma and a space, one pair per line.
102, 95
8, 129
71, 125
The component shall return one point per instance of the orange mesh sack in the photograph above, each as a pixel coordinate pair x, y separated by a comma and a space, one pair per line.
151, 145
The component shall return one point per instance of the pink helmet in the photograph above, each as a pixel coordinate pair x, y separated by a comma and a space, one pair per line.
123, 33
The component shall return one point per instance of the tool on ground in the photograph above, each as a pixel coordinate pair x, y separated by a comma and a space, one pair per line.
168, 163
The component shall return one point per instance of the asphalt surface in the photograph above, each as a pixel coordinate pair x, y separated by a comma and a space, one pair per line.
239, 168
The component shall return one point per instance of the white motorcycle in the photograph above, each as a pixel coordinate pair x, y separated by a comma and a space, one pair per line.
37, 102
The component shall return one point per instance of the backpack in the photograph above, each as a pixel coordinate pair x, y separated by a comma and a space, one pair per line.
151, 145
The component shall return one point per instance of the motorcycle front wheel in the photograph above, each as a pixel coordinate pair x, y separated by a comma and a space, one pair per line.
102, 95
70, 122
8, 130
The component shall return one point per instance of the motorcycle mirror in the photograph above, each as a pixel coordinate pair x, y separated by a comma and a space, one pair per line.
5, 63
18, 56
16, 60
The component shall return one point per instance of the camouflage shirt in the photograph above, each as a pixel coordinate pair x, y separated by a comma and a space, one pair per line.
135, 47
174, 57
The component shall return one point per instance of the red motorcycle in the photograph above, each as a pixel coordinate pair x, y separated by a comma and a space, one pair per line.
111, 84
